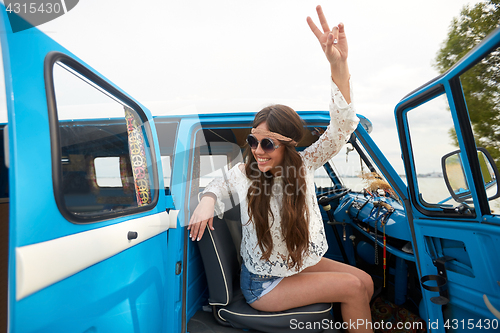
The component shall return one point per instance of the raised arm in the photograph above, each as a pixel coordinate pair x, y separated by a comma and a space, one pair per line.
334, 45
343, 120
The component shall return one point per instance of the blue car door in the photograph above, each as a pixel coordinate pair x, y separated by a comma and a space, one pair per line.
86, 198
452, 176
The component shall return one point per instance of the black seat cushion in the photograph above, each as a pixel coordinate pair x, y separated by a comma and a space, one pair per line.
310, 318
222, 268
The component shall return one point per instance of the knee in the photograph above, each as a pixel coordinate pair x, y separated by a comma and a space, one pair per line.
368, 281
357, 287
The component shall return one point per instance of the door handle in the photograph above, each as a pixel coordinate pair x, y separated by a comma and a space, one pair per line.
132, 235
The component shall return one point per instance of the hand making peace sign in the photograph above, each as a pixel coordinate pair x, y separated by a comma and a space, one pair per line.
334, 44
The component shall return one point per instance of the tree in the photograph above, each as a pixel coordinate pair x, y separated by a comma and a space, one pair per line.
481, 84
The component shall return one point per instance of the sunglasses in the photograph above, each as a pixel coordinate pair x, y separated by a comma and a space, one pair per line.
266, 144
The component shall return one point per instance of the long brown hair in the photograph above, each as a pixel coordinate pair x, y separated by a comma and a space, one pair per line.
294, 213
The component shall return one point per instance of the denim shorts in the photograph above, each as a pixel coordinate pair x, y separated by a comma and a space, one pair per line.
255, 286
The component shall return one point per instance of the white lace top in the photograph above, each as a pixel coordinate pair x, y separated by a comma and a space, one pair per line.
343, 122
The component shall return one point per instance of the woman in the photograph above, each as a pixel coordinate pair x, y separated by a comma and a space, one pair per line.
283, 240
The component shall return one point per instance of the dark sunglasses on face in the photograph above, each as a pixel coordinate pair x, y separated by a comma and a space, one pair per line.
266, 144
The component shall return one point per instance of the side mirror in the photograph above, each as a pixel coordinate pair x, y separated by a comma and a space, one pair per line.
367, 124
456, 182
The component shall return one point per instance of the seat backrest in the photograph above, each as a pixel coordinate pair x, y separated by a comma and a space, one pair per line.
220, 255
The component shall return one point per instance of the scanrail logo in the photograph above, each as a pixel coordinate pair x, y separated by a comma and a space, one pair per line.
28, 14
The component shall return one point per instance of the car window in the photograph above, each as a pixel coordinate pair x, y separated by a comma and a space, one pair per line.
106, 159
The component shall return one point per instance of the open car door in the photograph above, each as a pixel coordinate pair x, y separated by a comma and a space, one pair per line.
453, 185
86, 201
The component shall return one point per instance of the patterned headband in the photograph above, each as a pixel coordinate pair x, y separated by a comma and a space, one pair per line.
273, 135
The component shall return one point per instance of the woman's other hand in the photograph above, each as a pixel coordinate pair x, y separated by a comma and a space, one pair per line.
202, 215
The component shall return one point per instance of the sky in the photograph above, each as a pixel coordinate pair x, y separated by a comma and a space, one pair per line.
209, 56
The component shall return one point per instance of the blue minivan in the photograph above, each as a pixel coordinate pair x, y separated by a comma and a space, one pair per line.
96, 192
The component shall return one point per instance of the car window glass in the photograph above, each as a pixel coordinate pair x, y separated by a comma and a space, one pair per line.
481, 88
106, 161
430, 129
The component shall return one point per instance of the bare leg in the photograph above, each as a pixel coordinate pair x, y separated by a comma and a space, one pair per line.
329, 265
316, 286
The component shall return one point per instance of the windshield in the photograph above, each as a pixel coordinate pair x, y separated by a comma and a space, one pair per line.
357, 171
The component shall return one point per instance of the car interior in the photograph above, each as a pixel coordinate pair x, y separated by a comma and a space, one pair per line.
225, 310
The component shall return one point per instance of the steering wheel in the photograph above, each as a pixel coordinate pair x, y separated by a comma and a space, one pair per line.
338, 193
